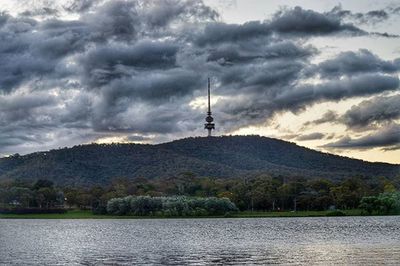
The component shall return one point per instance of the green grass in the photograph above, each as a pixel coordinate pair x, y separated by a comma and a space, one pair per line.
73, 214
249, 214
78, 214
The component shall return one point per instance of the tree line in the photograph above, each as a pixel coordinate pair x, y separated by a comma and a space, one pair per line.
262, 193
41, 194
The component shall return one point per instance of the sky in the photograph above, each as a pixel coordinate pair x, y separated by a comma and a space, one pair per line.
322, 74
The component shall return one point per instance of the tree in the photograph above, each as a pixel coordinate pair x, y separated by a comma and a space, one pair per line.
47, 197
43, 183
370, 204
21, 195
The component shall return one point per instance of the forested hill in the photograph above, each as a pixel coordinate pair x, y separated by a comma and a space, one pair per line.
228, 156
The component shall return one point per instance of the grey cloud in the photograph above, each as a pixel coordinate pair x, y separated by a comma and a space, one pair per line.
328, 117
350, 63
3, 18
261, 77
389, 136
158, 97
377, 110
311, 136
330, 136
385, 35
78, 111
80, 6
298, 97
394, 9
155, 86
288, 136
392, 148
258, 103
106, 63
230, 54
160, 13
17, 107
32, 50
296, 21
41, 12
36, 120
138, 138
140, 118
254, 66
373, 16
117, 20
232, 32
17, 69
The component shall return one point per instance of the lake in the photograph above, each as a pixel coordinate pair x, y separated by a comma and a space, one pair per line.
293, 241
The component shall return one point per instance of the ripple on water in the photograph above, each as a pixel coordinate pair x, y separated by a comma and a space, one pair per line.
317, 241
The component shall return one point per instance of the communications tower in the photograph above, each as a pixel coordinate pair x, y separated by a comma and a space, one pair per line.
209, 119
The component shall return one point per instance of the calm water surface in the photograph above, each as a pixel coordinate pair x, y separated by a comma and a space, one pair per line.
293, 241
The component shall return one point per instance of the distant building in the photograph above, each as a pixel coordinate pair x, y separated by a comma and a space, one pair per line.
209, 119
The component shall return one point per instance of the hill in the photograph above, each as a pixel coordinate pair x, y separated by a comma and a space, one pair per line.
227, 156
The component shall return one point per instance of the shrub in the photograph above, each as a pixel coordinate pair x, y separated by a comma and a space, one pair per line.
170, 206
384, 203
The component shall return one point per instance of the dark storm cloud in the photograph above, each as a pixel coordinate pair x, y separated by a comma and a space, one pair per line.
109, 62
368, 84
154, 101
153, 86
246, 52
261, 77
232, 32
371, 112
350, 63
17, 107
117, 20
31, 50
296, 21
389, 136
140, 118
312, 136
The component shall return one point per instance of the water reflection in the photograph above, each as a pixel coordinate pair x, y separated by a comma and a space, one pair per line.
293, 241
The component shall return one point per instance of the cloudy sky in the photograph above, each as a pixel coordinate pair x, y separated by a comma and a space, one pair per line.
322, 74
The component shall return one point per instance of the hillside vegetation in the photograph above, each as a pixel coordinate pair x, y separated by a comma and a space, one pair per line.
220, 157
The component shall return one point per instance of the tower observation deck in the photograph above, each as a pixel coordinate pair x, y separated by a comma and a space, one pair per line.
209, 119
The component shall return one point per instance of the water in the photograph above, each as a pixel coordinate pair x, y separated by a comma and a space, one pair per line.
289, 241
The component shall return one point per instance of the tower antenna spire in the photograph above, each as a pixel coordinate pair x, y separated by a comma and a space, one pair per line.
209, 104
209, 119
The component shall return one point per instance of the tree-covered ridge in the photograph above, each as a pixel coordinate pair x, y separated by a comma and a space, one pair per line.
221, 157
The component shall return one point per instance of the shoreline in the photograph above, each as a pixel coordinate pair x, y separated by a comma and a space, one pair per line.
78, 214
